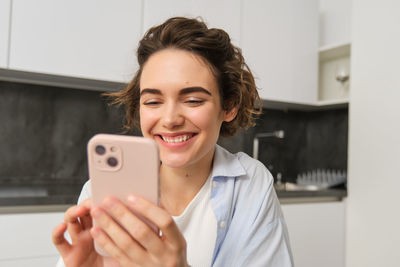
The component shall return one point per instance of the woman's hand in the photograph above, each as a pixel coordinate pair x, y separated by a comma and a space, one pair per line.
130, 241
80, 252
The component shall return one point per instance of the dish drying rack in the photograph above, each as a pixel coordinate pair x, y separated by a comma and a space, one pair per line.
322, 178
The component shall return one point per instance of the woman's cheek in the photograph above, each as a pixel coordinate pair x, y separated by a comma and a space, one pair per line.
205, 117
147, 121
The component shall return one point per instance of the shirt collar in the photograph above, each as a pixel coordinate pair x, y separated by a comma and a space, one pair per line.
226, 164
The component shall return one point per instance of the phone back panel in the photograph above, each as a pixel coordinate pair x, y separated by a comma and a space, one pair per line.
123, 165
127, 165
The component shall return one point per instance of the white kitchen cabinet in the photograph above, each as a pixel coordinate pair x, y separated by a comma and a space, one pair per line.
46, 261
335, 47
280, 44
223, 14
317, 233
334, 62
334, 22
93, 39
4, 31
26, 238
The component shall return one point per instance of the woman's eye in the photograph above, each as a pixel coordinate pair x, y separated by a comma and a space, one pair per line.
151, 103
194, 101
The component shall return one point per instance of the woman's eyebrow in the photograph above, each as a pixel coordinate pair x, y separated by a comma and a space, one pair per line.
150, 91
183, 91
194, 89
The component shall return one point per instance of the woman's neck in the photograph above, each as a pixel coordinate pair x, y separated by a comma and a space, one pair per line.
180, 185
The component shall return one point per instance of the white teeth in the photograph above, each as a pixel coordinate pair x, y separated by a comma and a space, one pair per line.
176, 139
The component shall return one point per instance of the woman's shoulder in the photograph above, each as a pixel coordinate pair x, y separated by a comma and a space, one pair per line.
246, 168
253, 191
250, 163
257, 174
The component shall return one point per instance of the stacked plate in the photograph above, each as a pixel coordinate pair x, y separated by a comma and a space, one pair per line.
322, 178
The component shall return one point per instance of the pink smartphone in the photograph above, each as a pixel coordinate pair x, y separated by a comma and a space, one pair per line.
122, 165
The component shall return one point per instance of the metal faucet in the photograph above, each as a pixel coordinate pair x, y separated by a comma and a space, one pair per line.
277, 134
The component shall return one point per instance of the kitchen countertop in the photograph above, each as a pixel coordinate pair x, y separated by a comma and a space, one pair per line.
53, 198
339, 193
302, 196
19, 198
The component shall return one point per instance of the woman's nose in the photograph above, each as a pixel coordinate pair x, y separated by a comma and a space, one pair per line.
172, 117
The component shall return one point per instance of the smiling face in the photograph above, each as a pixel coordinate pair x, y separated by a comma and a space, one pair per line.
180, 107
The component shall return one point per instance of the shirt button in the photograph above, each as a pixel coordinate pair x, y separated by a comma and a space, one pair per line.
222, 224
214, 184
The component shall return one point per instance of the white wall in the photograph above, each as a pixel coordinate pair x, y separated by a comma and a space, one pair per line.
373, 212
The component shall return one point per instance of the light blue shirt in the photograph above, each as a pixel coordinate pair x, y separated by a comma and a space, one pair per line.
251, 228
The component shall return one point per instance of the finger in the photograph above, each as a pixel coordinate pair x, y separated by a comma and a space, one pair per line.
109, 246
73, 223
81, 210
59, 241
86, 203
135, 226
159, 217
86, 220
71, 219
118, 235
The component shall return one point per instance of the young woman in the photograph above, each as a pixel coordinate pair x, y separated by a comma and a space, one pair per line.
217, 208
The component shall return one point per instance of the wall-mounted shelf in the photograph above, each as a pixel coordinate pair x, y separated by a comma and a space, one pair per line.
334, 51
334, 73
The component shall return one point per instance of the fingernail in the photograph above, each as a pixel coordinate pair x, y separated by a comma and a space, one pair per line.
133, 199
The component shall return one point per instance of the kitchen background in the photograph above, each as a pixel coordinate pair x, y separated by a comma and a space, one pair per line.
45, 130
54, 68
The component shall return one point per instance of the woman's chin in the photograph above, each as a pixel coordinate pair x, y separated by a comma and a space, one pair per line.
174, 160
174, 163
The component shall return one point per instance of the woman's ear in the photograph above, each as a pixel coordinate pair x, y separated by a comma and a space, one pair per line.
229, 115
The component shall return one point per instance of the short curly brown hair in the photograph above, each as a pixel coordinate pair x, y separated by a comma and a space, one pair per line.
235, 80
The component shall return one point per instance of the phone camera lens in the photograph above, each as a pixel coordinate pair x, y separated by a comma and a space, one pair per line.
100, 150
112, 161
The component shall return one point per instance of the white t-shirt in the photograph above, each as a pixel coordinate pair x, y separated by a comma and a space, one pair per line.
198, 225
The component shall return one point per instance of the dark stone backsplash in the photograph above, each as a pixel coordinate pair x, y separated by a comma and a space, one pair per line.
44, 131
313, 140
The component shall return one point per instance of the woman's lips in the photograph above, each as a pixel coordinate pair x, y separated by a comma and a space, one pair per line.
175, 140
